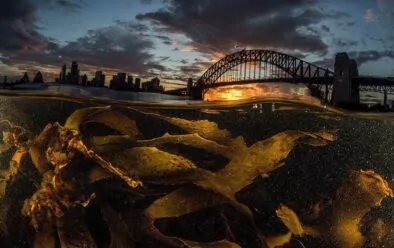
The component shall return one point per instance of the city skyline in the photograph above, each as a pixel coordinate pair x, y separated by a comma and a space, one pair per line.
178, 39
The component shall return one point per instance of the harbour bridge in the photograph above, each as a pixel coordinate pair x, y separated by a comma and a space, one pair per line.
265, 66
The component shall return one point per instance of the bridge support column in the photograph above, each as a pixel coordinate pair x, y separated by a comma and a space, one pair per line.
385, 104
326, 92
196, 93
344, 92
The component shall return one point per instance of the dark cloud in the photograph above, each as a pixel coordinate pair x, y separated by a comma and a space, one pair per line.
325, 28
133, 26
116, 47
324, 63
216, 25
344, 44
361, 57
18, 30
68, 4
370, 56
162, 37
197, 67
191, 69
165, 39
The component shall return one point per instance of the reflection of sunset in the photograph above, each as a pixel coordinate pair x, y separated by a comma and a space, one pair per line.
249, 91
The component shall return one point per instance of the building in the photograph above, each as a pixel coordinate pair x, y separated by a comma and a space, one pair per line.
137, 84
74, 75
189, 85
84, 80
152, 85
99, 79
63, 75
130, 79
121, 78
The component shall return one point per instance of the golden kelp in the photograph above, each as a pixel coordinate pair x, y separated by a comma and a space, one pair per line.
74, 162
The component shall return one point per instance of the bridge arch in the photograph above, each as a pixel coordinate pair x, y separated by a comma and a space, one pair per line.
293, 66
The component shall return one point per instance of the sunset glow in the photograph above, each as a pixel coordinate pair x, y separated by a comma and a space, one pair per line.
250, 91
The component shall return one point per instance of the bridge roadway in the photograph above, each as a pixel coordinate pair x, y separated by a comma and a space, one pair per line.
370, 84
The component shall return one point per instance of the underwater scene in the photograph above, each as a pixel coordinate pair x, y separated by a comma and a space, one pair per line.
269, 173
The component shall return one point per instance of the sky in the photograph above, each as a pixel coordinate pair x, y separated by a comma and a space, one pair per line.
178, 39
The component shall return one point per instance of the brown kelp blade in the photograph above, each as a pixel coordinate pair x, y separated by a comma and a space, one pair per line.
150, 162
97, 174
116, 120
183, 201
215, 244
45, 237
110, 143
290, 220
121, 237
73, 232
78, 116
38, 148
259, 159
278, 240
192, 140
178, 203
15, 163
206, 129
4, 147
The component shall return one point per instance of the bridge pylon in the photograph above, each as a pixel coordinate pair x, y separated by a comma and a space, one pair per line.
196, 91
344, 91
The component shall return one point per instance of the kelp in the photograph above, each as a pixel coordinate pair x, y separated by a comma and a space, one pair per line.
74, 162
363, 191
206, 129
249, 163
121, 236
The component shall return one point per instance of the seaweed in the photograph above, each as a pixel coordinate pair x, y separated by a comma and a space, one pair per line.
75, 163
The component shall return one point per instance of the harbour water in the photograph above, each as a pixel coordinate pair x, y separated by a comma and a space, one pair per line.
90, 169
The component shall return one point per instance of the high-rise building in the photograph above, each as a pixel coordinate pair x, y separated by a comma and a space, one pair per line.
121, 78
102, 80
99, 79
189, 86
137, 84
84, 80
63, 75
113, 82
130, 79
74, 73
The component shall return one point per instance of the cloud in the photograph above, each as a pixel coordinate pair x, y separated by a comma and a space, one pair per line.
370, 16
382, 3
214, 26
344, 44
370, 56
118, 47
18, 30
350, 24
